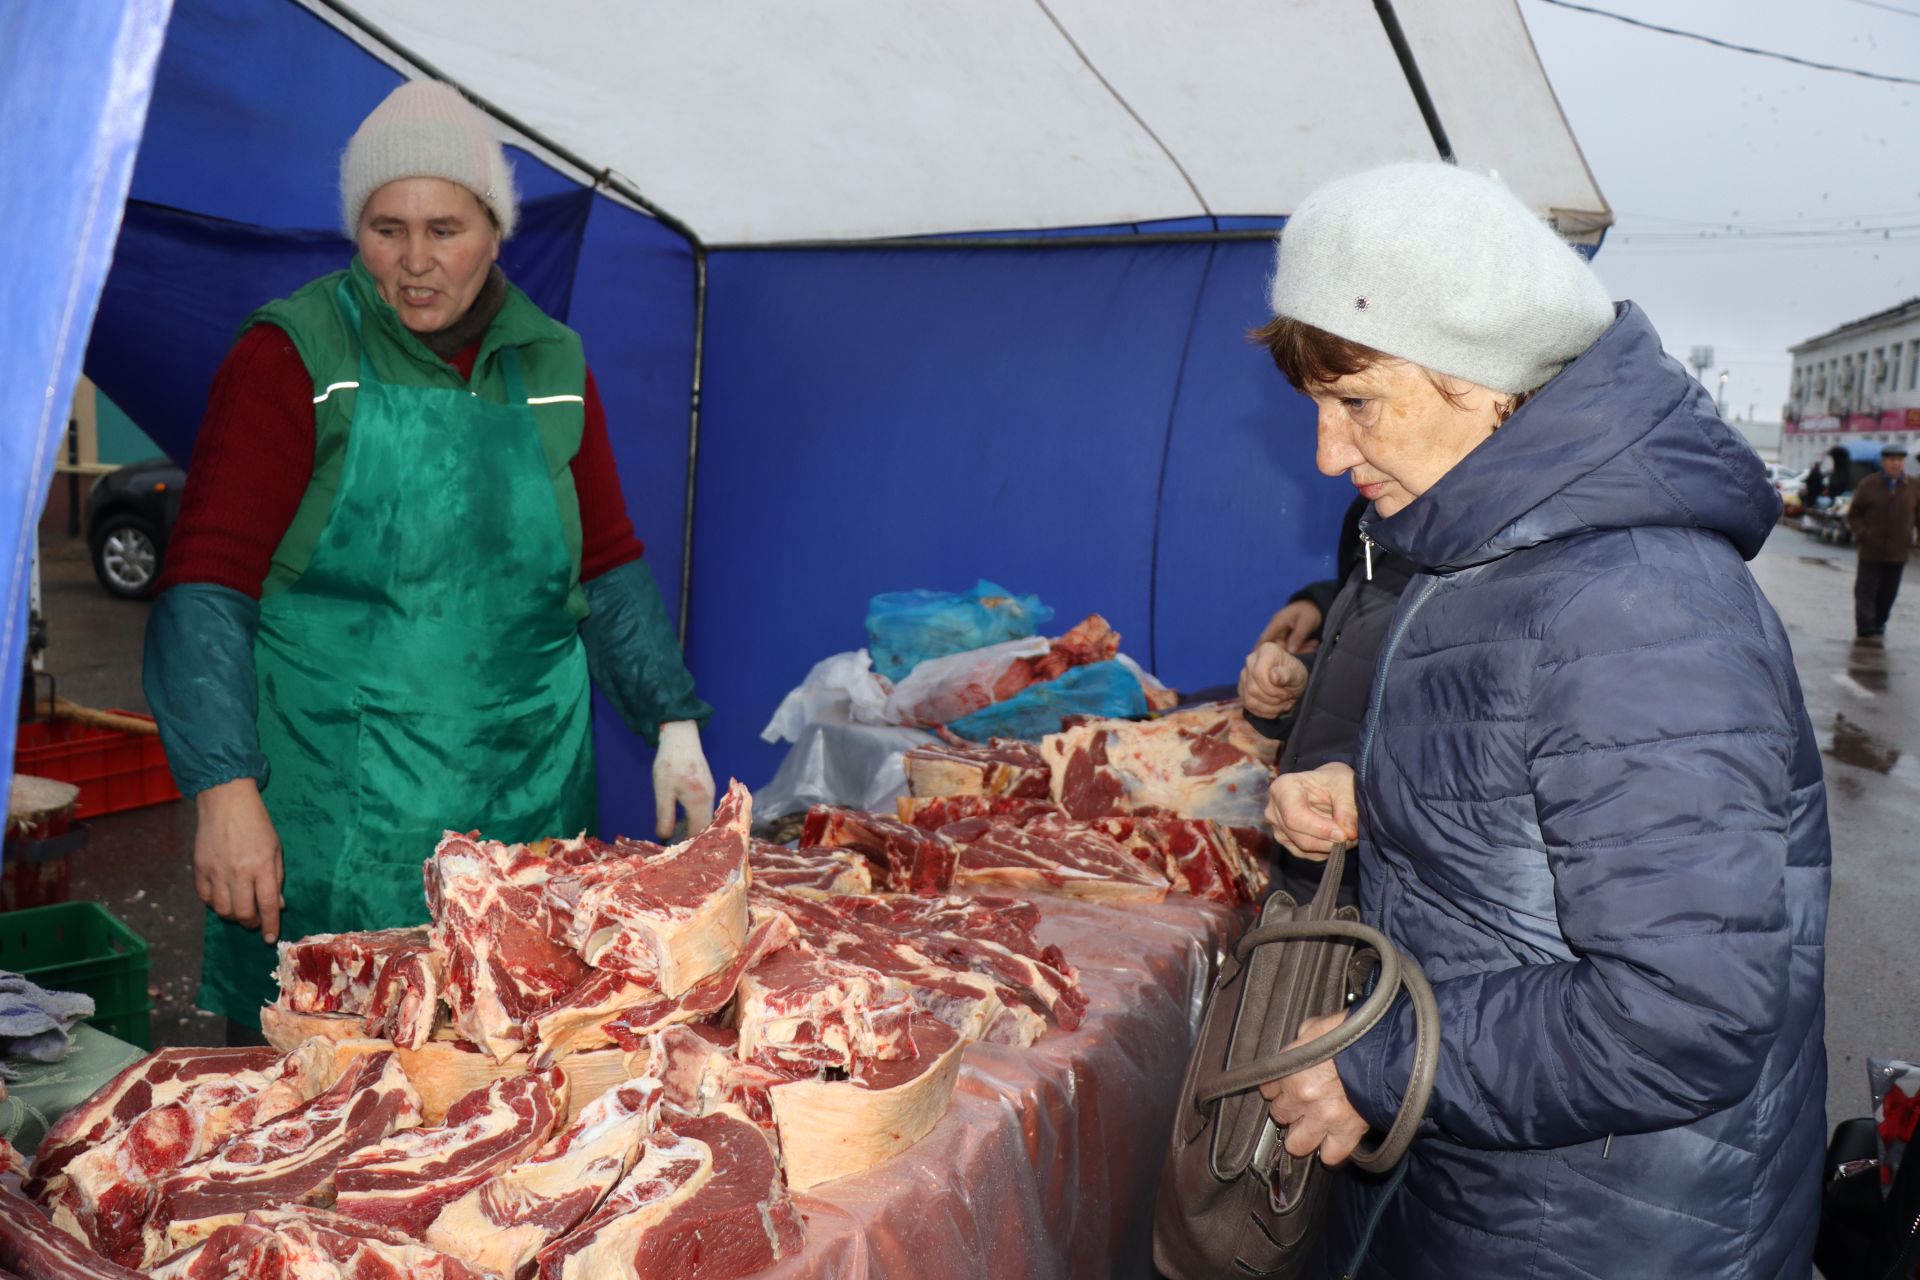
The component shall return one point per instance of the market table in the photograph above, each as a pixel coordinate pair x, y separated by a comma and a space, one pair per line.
1046, 1162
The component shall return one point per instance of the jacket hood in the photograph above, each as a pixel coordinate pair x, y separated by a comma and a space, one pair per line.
1622, 438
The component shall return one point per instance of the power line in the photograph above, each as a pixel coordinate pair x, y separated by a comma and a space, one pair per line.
1890, 8
1726, 44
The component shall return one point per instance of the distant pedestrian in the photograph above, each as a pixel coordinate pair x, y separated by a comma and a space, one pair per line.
1881, 517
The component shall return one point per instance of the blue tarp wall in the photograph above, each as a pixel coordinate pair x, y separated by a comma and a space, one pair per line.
1087, 423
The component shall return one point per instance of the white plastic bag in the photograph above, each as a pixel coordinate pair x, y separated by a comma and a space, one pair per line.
946, 688
843, 687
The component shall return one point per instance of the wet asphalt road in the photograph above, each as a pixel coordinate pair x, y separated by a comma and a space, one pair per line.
1863, 703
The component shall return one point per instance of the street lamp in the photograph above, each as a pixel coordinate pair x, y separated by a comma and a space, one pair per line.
1720, 396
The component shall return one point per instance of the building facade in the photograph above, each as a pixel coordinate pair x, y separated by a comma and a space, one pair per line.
1860, 381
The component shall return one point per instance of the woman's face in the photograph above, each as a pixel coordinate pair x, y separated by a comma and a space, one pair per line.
1394, 434
429, 244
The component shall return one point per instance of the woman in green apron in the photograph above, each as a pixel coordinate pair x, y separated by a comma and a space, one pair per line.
402, 561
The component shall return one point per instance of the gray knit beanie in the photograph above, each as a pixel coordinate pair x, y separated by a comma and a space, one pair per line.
425, 129
1442, 267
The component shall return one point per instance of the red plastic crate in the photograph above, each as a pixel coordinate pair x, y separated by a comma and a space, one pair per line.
114, 770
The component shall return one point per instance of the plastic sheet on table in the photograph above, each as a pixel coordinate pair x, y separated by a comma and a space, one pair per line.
1046, 1162
835, 761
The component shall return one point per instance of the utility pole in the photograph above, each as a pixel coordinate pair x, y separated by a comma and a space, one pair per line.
1720, 396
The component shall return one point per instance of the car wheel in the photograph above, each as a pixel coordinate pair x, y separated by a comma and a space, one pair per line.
126, 556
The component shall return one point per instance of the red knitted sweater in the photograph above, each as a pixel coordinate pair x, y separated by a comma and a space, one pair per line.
254, 459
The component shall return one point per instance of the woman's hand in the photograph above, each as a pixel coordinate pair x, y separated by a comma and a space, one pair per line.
1312, 1104
1294, 627
1313, 811
236, 857
681, 776
1271, 681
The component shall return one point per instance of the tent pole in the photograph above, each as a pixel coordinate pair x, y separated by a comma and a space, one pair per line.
1415, 81
693, 435
1069, 240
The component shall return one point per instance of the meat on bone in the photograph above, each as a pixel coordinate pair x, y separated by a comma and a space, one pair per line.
1052, 854
31, 1248
312, 1244
610, 1008
1200, 856
404, 1182
390, 977
501, 967
288, 1160
504, 1222
705, 1202
930, 813
110, 1188
801, 1010
907, 859
153, 1081
673, 919
809, 870
1113, 768
995, 768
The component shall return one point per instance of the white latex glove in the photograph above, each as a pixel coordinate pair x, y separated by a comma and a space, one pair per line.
680, 775
1271, 681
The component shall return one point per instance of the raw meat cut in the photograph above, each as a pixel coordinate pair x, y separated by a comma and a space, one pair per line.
970, 1004
610, 1008
993, 937
998, 767
1207, 860
705, 1202
673, 919
109, 1189
909, 860
700, 1072
290, 1159
800, 1010
930, 813
33, 1249
1091, 641
312, 1244
1178, 765
445, 1070
502, 1223
154, 1081
405, 1181
831, 1128
806, 870
501, 967
391, 977
1052, 854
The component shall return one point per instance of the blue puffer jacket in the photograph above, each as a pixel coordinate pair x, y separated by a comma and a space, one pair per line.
1592, 808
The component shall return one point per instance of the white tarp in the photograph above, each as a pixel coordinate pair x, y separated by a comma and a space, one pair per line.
759, 121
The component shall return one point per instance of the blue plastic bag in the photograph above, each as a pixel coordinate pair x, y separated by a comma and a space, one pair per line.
905, 628
1101, 689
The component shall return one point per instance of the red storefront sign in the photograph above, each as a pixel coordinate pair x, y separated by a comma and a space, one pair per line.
1891, 420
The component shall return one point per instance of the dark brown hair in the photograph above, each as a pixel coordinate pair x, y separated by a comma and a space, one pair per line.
1311, 357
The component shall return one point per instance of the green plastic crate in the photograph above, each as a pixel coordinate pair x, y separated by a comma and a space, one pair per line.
81, 946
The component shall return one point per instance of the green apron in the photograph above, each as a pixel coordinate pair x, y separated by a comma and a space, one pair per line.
423, 673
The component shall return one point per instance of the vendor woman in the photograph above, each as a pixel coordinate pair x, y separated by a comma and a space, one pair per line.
402, 553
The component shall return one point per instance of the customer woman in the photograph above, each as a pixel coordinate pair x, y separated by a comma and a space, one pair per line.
402, 551
1587, 794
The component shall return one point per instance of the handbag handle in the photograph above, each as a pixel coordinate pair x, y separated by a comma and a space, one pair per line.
1396, 972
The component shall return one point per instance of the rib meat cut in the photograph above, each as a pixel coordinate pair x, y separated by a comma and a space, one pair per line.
390, 977
404, 1182
800, 1010
1052, 854
31, 1248
1180, 766
908, 859
809, 870
930, 813
312, 1244
998, 767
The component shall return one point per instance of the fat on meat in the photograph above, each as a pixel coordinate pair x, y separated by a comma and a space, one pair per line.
809, 870
404, 1182
673, 919
291, 1159
908, 859
930, 813
504, 1222
1052, 854
31, 1248
312, 1244
801, 1010
705, 1202
1180, 767
998, 767
390, 978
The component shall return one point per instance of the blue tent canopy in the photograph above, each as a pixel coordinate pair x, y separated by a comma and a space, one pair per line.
854, 382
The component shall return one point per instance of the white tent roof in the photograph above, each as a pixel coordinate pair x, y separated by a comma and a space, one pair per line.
762, 121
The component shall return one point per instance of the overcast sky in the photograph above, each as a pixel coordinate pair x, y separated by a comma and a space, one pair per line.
1683, 137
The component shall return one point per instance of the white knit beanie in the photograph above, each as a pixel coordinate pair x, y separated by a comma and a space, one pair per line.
425, 129
1444, 268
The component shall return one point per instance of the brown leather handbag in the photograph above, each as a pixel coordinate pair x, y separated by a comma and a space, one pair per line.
1232, 1202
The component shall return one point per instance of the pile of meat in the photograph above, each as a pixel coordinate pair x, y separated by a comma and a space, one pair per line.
600, 1060
244, 1164
1106, 809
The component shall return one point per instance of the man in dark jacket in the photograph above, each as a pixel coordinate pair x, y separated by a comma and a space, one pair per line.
1881, 519
1588, 795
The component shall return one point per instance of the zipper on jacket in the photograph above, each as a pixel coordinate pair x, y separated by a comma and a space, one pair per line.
1366, 550
1386, 659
